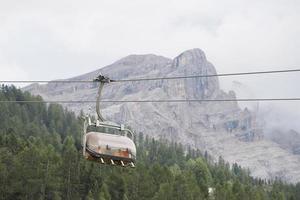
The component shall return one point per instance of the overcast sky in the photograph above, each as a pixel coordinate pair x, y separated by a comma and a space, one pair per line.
59, 39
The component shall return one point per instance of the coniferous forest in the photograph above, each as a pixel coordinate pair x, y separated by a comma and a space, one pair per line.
41, 158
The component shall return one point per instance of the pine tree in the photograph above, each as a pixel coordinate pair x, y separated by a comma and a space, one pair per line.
69, 169
90, 196
103, 193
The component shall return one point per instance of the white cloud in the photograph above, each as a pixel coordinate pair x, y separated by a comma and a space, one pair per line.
11, 71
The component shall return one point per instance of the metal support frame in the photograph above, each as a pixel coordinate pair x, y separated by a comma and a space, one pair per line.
85, 125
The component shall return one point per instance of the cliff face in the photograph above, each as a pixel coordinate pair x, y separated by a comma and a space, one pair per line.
221, 128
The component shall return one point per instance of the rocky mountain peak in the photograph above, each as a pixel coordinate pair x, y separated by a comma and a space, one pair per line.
189, 63
190, 57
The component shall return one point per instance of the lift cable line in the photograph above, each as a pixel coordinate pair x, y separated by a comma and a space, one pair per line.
208, 75
154, 101
156, 78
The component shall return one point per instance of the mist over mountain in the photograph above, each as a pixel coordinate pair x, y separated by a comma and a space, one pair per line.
221, 128
278, 120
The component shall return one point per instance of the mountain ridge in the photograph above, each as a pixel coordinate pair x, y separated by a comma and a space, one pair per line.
221, 128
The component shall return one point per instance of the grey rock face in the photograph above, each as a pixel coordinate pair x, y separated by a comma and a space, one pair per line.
193, 62
221, 128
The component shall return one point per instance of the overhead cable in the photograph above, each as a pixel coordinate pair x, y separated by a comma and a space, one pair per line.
152, 101
208, 75
156, 78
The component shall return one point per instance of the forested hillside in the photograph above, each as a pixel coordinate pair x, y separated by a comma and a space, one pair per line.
40, 158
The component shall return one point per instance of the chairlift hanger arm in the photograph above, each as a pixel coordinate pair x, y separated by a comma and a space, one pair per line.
102, 79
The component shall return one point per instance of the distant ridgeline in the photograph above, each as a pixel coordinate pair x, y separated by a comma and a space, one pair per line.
40, 158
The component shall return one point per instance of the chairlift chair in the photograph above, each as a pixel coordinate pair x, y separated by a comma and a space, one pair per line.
107, 142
